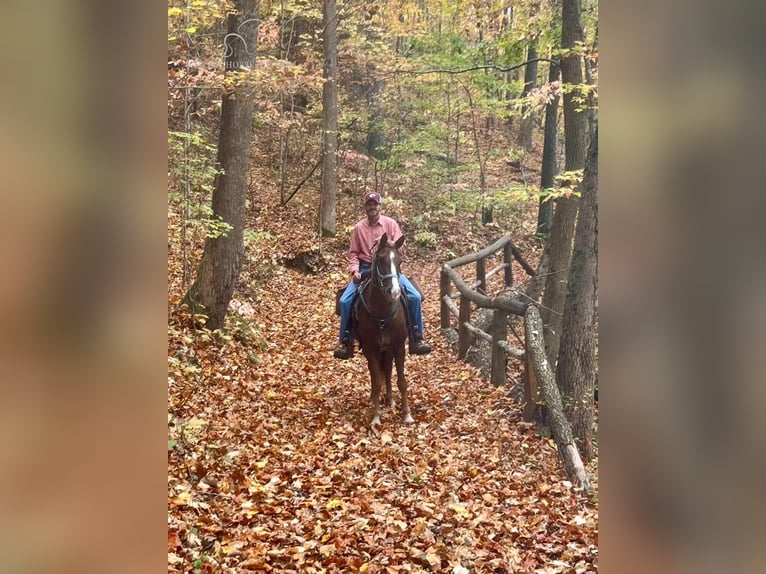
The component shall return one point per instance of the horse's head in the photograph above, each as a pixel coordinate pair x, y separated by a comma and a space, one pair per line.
385, 267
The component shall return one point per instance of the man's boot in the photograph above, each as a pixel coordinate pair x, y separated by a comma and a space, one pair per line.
418, 346
345, 349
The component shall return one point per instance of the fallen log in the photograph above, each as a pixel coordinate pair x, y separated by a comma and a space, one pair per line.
562, 431
505, 303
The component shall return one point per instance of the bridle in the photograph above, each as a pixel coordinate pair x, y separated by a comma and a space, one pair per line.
378, 278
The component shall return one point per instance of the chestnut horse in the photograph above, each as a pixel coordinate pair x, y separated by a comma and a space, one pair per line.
381, 328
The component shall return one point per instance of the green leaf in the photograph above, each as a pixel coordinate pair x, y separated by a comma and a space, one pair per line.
172, 444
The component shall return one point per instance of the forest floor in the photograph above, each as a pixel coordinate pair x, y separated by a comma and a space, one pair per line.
272, 465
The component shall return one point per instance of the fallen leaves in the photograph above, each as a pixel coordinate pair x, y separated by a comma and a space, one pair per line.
459, 509
182, 499
274, 468
335, 503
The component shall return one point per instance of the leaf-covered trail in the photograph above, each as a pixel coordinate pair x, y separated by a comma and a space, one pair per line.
280, 472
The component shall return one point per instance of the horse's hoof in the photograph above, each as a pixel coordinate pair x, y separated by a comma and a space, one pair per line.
375, 422
390, 404
408, 420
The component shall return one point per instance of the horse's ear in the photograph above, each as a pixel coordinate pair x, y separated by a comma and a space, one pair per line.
383, 241
399, 242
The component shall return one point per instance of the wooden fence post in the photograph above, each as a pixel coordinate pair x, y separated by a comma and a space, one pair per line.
508, 259
481, 276
499, 358
532, 398
444, 288
463, 334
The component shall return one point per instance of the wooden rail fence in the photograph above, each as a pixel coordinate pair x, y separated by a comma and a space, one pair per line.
503, 304
537, 372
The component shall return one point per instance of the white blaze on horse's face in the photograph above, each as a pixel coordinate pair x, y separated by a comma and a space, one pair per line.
396, 290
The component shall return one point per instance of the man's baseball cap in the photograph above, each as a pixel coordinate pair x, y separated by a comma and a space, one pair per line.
373, 196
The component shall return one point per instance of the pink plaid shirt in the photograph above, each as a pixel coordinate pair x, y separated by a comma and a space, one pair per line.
365, 236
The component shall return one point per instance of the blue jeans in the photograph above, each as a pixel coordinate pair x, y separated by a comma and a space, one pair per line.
413, 299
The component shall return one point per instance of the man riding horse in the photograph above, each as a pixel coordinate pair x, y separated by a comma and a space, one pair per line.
364, 238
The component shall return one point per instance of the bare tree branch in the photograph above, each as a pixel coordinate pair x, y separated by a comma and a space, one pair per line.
304, 180
472, 69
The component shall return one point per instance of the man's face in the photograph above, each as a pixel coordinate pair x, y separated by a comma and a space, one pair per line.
372, 209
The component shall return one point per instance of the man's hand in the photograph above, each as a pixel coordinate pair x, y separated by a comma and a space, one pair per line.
356, 276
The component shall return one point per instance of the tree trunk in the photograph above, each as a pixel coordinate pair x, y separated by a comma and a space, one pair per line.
222, 256
330, 120
590, 78
375, 145
559, 243
562, 432
527, 119
486, 209
549, 168
486, 214
576, 369
376, 138
535, 286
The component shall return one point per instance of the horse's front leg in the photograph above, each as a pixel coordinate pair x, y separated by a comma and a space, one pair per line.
375, 379
388, 363
402, 384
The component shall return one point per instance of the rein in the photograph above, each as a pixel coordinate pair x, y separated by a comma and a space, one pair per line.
377, 279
